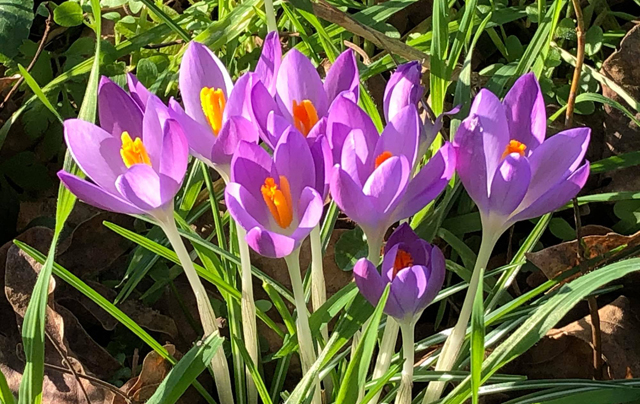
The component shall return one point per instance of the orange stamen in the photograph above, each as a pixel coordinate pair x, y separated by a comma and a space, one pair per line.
133, 151
213, 103
403, 260
278, 200
382, 158
514, 147
305, 116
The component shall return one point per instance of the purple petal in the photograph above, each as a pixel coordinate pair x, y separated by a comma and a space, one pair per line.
293, 159
319, 129
408, 287
309, 211
199, 137
269, 63
145, 189
526, 115
343, 76
372, 286
403, 234
155, 116
298, 80
555, 197
271, 244
344, 116
401, 136
428, 183
436, 279
263, 106
323, 163
430, 131
201, 68
509, 185
117, 110
175, 152
239, 101
233, 131
356, 160
96, 152
350, 198
250, 166
245, 209
555, 159
138, 92
388, 183
388, 262
96, 196
403, 89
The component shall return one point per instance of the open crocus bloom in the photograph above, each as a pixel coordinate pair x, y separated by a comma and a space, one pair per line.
215, 117
301, 98
414, 268
274, 199
373, 183
508, 168
136, 162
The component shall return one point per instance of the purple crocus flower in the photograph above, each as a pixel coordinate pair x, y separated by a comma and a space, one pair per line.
136, 161
414, 268
508, 168
403, 88
373, 183
274, 198
299, 96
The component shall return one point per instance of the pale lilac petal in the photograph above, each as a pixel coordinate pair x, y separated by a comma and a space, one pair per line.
138, 92
292, 159
428, 183
250, 166
407, 287
436, 278
344, 116
555, 159
388, 262
309, 210
263, 106
525, 109
118, 112
277, 126
430, 131
356, 158
239, 101
201, 68
403, 234
175, 152
155, 116
372, 286
509, 185
343, 76
349, 197
199, 137
96, 152
555, 197
233, 131
323, 163
269, 62
142, 186
245, 209
401, 136
271, 244
387, 183
403, 89
298, 80
319, 129
470, 160
96, 196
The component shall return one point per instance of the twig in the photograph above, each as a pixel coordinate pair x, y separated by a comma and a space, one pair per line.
95, 381
365, 58
575, 82
65, 360
43, 41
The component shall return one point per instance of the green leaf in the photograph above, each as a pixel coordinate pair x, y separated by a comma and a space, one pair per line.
361, 359
615, 162
439, 77
33, 85
562, 229
593, 40
68, 14
186, 371
6, 396
16, 17
477, 340
349, 248
255, 374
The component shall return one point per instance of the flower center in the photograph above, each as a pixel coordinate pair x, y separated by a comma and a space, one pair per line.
514, 147
305, 116
213, 102
278, 200
133, 151
403, 260
382, 158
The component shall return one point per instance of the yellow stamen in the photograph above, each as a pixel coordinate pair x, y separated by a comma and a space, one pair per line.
213, 103
305, 116
383, 157
403, 260
514, 147
278, 200
133, 151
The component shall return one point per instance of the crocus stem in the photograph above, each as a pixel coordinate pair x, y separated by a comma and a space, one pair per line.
387, 349
272, 25
452, 345
207, 316
249, 329
406, 379
305, 340
318, 287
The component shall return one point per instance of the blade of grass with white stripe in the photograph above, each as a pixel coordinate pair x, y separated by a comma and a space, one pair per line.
34, 319
477, 340
185, 372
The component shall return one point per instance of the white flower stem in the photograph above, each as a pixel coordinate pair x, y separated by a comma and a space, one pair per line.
219, 363
454, 342
318, 287
305, 340
406, 379
386, 352
249, 329
272, 25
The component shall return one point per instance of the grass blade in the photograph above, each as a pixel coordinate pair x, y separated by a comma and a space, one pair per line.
477, 341
6, 396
